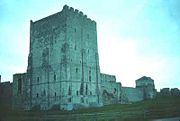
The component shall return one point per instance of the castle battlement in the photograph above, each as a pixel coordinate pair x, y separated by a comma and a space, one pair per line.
76, 12
66, 11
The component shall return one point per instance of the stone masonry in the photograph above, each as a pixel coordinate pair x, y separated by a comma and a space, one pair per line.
63, 67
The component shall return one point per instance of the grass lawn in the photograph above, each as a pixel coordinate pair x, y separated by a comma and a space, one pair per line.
145, 110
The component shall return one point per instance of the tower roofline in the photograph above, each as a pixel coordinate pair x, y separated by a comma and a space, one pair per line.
67, 9
144, 78
76, 12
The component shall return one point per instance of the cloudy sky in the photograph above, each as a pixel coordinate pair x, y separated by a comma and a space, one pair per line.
135, 37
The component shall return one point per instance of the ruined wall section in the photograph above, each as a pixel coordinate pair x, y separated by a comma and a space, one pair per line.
20, 92
111, 90
107, 78
146, 84
6, 93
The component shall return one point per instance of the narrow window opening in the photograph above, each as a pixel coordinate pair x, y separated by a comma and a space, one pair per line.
90, 78
19, 85
37, 95
86, 89
37, 79
90, 75
114, 90
77, 93
75, 47
69, 100
81, 89
90, 93
54, 77
55, 95
82, 100
76, 70
69, 91
44, 93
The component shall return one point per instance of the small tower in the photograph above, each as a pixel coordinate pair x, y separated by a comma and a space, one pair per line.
146, 84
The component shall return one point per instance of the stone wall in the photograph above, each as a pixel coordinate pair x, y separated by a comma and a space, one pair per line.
6, 93
144, 81
175, 92
111, 90
146, 85
20, 92
130, 94
169, 92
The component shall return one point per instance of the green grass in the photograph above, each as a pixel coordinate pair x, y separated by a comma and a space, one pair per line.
148, 109
161, 103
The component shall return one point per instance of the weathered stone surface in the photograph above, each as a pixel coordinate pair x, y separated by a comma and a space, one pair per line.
175, 92
146, 85
130, 94
63, 63
111, 90
145, 89
6, 93
20, 92
63, 67
165, 92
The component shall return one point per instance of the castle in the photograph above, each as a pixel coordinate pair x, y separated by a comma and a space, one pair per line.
63, 68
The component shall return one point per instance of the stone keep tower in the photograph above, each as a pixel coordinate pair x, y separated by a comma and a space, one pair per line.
63, 63
147, 86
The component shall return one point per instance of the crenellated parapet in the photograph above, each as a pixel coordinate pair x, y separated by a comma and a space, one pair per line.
75, 12
49, 24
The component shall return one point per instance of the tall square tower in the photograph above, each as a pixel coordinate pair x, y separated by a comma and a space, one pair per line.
63, 64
